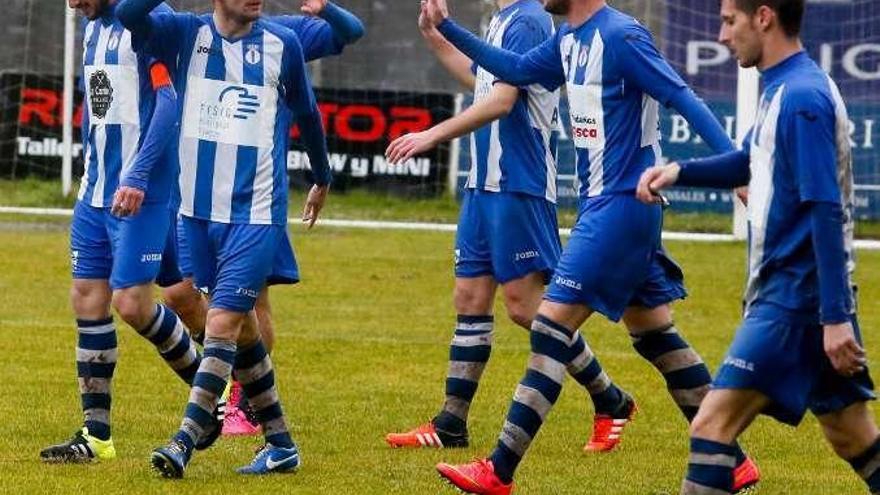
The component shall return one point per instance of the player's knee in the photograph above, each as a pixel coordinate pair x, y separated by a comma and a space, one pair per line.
850, 435
89, 301
471, 301
520, 311
181, 299
133, 309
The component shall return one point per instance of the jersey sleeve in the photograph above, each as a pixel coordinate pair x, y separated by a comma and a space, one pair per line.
641, 63
315, 35
523, 34
541, 65
162, 34
808, 138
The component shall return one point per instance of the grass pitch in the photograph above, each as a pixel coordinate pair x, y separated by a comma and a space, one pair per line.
362, 345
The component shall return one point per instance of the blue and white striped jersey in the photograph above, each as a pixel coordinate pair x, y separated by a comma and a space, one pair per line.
800, 153
517, 153
118, 105
240, 99
614, 76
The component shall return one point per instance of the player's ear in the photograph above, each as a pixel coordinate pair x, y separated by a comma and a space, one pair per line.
764, 18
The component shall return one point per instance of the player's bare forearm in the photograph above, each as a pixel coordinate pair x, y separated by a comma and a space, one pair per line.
453, 60
496, 105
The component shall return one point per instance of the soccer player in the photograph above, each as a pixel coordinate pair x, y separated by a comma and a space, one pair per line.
507, 232
799, 345
614, 263
243, 79
325, 29
120, 221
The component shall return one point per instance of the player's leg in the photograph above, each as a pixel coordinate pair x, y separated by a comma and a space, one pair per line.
182, 296
723, 415
853, 434
525, 250
136, 264
841, 405
265, 324
184, 299
235, 262
96, 351
551, 335
471, 345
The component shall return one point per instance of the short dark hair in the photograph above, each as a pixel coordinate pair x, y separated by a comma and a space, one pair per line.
789, 12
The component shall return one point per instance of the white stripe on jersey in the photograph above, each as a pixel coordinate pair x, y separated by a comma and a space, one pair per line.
593, 85
761, 188
131, 133
264, 180
845, 178
495, 37
650, 123
84, 182
542, 110
189, 148
472, 173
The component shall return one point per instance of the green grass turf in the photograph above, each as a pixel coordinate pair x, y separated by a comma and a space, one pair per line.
361, 351
363, 205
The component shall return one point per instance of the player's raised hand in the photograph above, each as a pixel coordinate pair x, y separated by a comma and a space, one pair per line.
655, 179
314, 204
436, 11
312, 7
410, 145
127, 201
425, 25
842, 348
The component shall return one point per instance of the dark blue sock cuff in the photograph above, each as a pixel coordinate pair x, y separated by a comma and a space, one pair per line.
250, 356
94, 323
468, 319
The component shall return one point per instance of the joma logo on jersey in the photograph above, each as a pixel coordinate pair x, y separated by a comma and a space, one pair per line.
244, 291
100, 93
202, 49
151, 257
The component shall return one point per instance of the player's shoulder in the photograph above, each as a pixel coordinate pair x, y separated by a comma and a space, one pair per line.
621, 27
279, 30
808, 90
163, 8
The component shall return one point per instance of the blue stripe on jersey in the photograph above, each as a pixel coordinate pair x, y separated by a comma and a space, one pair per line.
113, 146
248, 156
216, 69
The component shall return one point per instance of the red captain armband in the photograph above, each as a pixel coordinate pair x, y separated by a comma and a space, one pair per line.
159, 75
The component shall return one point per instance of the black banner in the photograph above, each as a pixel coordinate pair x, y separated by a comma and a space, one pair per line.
359, 124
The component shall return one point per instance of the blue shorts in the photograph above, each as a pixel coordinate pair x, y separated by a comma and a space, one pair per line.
614, 259
506, 235
781, 354
232, 261
126, 251
284, 270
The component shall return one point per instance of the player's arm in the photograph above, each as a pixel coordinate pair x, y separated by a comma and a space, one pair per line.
325, 30
301, 100
133, 186
135, 15
498, 103
459, 65
808, 137
725, 171
541, 65
642, 64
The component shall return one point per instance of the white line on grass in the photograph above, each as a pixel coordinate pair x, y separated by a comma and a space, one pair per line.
427, 226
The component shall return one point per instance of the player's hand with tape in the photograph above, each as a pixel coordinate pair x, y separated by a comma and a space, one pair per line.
843, 350
314, 204
654, 180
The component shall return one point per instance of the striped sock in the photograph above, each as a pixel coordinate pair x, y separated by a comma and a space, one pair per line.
468, 354
95, 361
253, 369
867, 465
209, 383
687, 377
535, 394
586, 370
710, 468
171, 339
